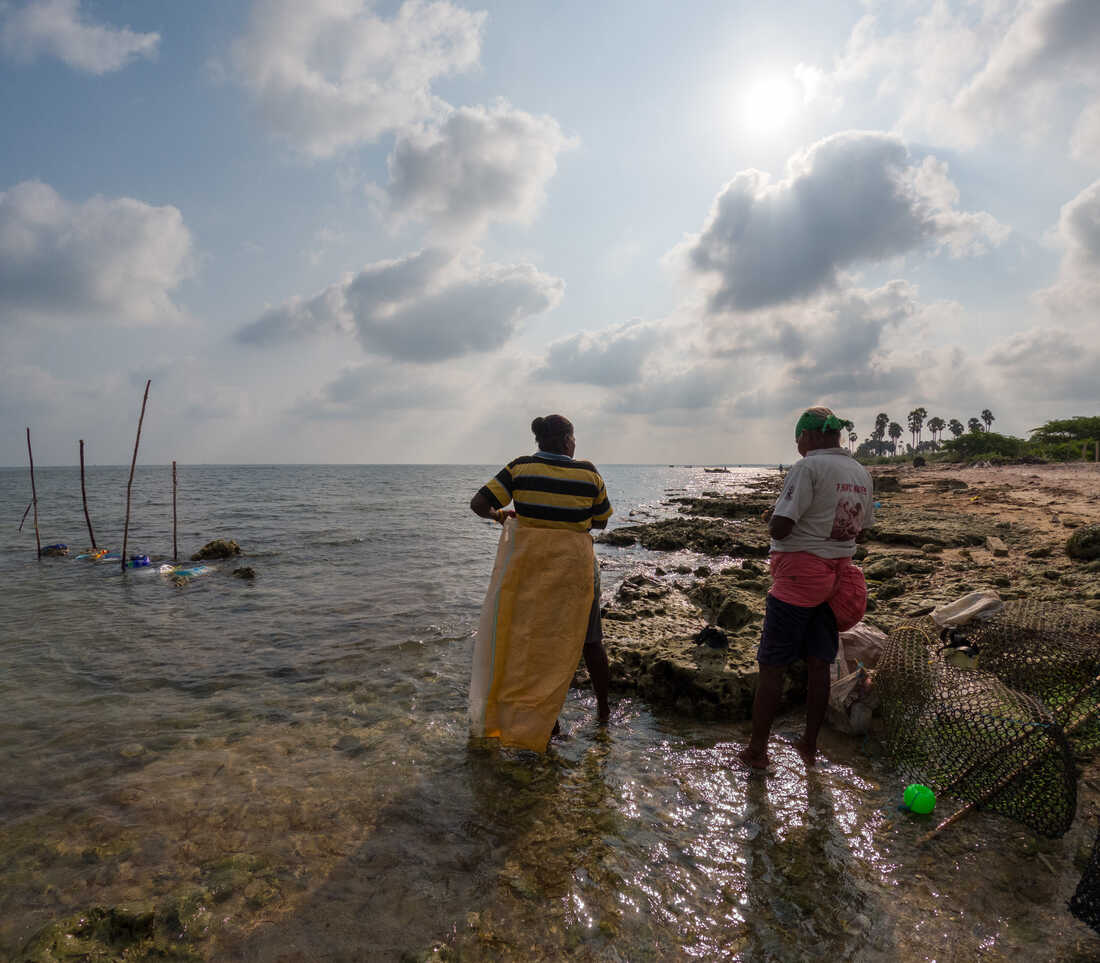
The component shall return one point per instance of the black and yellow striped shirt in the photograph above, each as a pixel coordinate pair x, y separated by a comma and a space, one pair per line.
551, 492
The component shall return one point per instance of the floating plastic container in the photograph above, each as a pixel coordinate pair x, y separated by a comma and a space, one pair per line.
138, 561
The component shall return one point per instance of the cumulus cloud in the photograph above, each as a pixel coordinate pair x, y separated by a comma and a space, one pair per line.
106, 257
959, 70
692, 389
1048, 44
56, 28
361, 391
1084, 145
853, 197
841, 345
1051, 364
1077, 290
480, 164
433, 305
611, 357
331, 74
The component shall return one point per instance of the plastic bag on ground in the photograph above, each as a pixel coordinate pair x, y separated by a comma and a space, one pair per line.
973, 607
852, 700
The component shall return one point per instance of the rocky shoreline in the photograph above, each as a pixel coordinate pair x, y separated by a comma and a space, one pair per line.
940, 532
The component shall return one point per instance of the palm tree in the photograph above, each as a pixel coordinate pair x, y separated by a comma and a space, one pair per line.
848, 426
974, 425
895, 433
987, 417
936, 426
882, 420
916, 423
956, 427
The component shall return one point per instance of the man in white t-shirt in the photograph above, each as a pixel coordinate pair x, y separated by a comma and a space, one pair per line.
826, 501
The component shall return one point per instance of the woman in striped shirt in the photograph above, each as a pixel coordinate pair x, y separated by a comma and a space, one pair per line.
551, 490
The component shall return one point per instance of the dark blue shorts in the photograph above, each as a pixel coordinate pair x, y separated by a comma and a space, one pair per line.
793, 632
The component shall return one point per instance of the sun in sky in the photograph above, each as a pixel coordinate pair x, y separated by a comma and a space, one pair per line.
767, 103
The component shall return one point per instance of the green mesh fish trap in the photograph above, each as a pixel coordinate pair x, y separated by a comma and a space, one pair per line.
1048, 651
968, 735
1085, 902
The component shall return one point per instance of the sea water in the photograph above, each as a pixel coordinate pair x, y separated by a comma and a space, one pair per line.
282, 762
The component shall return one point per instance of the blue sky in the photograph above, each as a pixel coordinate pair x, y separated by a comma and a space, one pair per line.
396, 232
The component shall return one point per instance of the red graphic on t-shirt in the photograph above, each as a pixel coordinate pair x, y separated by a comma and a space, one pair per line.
848, 520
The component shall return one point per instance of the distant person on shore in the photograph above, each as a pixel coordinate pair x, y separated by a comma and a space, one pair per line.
826, 501
542, 609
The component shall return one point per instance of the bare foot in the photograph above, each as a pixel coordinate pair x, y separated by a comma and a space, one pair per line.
807, 752
757, 763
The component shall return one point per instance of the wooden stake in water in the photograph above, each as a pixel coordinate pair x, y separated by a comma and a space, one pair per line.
175, 551
130, 483
84, 495
34, 496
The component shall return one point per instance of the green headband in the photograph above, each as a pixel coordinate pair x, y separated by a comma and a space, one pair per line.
815, 421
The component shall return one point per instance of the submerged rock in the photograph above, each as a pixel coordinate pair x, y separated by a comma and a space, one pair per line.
245, 572
219, 548
101, 934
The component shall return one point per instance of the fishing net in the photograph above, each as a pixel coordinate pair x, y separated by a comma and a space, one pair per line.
1049, 651
1085, 902
967, 734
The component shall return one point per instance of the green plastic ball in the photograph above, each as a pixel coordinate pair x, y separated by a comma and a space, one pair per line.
919, 799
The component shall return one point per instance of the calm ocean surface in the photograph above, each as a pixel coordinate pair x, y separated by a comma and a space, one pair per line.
282, 763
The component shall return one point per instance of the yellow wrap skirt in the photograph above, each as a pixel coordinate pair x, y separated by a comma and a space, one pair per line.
532, 630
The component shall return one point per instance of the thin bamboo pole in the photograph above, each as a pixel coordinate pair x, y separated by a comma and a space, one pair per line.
175, 551
84, 495
34, 496
130, 483
24, 518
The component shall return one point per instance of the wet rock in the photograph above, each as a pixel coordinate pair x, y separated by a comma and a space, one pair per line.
1084, 543
715, 638
950, 484
881, 569
742, 507
919, 527
619, 537
219, 548
706, 536
891, 590
887, 483
931, 548
732, 606
658, 659
245, 572
1043, 551
55, 550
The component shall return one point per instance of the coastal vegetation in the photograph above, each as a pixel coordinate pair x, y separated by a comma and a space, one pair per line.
1059, 440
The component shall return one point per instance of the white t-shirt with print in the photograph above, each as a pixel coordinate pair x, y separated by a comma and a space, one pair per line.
830, 497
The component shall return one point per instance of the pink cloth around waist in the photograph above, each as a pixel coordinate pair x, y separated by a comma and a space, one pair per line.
800, 578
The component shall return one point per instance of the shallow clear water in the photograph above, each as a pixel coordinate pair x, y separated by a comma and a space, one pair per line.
286, 759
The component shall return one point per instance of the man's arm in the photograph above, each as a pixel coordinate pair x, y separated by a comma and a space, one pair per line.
779, 527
